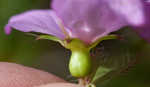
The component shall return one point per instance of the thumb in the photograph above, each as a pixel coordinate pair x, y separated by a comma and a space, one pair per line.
15, 75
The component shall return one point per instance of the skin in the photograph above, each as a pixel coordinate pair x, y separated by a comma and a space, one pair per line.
15, 75
60, 85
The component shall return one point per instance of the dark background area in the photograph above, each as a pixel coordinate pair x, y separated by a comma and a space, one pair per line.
52, 57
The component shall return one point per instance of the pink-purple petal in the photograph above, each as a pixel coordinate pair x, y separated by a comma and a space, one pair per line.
144, 29
88, 19
8, 29
136, 13
42, 21
91, 19
131, 10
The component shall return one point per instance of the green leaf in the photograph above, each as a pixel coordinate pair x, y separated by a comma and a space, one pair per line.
115, 57
101, 71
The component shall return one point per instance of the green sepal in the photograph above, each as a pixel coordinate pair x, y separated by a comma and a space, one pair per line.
49, 37
108, 37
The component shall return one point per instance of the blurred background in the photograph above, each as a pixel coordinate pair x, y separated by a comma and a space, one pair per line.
49, 56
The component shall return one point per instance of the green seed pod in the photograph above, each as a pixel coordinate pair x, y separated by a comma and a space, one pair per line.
80, 63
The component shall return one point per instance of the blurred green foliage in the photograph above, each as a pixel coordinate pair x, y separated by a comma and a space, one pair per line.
50, 56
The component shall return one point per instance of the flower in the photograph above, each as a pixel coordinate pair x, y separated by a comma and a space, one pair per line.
87, 20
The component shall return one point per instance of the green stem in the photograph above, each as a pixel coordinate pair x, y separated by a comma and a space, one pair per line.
81, 82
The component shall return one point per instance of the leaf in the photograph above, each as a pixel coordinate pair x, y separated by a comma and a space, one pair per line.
113, 57
101, 71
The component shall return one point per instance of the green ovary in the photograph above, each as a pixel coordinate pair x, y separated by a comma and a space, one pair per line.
80, 63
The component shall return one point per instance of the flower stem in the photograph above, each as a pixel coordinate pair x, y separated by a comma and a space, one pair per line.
82, 82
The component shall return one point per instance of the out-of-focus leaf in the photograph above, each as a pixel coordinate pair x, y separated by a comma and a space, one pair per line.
101, 72
114, 56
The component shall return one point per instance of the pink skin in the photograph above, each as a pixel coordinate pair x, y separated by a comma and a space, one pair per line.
15, 75
60, 85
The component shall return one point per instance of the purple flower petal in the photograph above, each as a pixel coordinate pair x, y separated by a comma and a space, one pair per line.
88, 19
92, 19
137, 14
7, 29
43, 21
131, 10
144, 29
